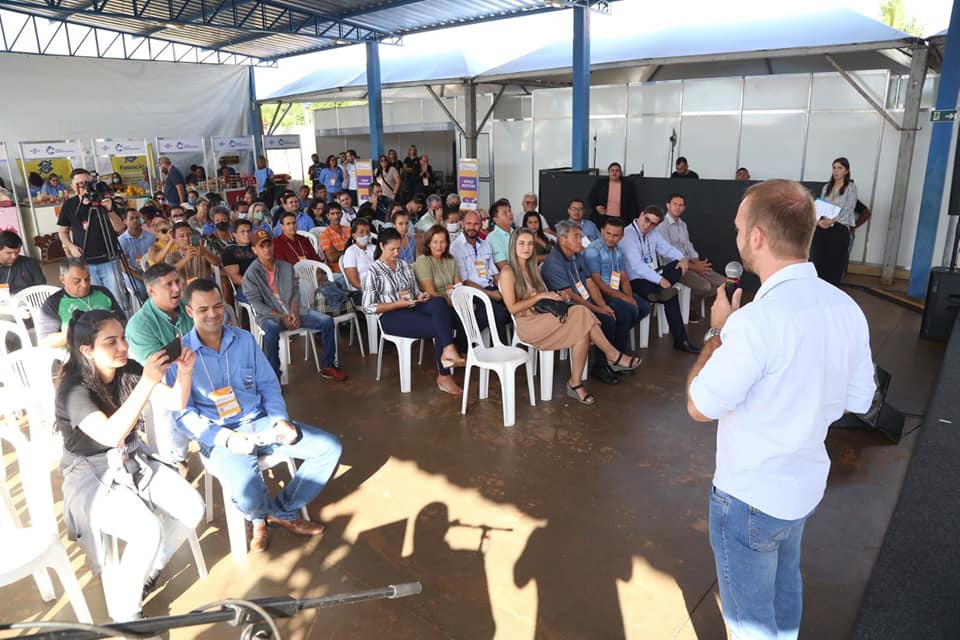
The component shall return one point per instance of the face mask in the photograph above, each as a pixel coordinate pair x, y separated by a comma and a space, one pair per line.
243, 216
222, 226
193, 200
258, 215
453, 227
116, 181
362, 241
141, 220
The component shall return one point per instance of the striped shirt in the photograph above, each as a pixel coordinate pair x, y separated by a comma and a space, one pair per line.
383, 285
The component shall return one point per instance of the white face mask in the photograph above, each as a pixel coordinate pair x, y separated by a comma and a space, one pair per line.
362, 241
243, 216
453, 227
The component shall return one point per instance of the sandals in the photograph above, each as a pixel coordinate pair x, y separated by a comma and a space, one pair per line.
453, 392
453, 364
632, 363
587, 399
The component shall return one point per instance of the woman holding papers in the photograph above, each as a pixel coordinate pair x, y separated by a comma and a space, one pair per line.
835, 211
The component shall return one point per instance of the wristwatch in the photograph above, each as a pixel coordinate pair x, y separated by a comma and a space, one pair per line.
711, 333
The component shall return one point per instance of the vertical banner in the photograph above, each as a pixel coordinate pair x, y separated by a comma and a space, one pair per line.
468, 183
9, 215
364, 180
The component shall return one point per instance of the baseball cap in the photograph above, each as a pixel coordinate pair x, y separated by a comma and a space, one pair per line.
261, 236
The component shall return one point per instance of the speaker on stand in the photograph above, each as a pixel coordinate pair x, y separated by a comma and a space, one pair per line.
880, 416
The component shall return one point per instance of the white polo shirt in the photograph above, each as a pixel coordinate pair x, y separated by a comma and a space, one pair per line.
474, 261
791, 362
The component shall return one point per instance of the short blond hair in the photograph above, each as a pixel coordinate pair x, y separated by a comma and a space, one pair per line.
784, 210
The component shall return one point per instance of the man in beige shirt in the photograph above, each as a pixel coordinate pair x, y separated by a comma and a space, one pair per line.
700, 277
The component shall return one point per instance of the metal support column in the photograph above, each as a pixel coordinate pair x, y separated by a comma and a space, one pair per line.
374, 102
901, 179
581, 89
470, 118
255, 121
933, 184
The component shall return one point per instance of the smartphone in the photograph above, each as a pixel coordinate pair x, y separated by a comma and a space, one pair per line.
172, 349
194, 241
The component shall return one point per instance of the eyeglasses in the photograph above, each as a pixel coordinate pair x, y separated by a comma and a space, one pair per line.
163, 230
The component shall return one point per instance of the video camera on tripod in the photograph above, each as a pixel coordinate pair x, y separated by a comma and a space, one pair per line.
96, 191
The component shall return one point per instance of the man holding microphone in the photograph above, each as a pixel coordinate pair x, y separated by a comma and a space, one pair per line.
776, 374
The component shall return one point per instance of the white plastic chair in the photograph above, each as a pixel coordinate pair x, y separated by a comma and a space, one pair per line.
8, 328
683, 294
403, 345
27, 377
313, 240
306, 273
32, 299
309, 342
236, 527
33, 549
499, 358
640, 333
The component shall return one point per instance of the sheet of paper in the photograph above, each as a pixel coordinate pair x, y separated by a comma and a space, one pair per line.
826, 209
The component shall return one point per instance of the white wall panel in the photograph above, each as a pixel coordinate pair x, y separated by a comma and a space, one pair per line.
854, 135
655, 98
552, 150
831, 91
513, 158
608, 101
354, 117
710, 144
776, 92
548, 103
648, 145
713, 94
765, 160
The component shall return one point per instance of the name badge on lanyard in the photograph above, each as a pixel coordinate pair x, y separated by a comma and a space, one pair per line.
615, 280
481, 267
582, 290
225, 400
4, 293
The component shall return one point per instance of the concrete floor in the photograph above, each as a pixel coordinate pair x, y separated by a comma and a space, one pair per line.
580, 522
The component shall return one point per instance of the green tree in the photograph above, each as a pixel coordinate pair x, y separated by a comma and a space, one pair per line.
893, 13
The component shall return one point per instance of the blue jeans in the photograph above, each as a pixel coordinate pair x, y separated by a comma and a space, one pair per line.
758, 569
105, 275
319, 323
240, 476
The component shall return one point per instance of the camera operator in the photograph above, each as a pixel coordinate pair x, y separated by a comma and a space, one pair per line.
89, 231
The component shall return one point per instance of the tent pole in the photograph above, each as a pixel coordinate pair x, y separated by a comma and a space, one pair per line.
580, 155
443, 106
374, 99
470, 112
256, 119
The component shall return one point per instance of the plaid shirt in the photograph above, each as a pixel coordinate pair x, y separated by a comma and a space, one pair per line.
675, 232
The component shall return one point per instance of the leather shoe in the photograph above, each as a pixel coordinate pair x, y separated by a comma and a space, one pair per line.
662, 295
686, 346
299, 526
605, 374
259, 538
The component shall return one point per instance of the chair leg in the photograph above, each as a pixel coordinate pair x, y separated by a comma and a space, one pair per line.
508, 392
356, 325
420, 359
466, 389
208, 493
484, 383
372, 331
379, 353
313, 343
546, 375
406, 367
44, 585
60, 563
198, 559
236, 529
531, 389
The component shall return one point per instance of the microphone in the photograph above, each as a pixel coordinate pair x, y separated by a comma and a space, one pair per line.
733, 271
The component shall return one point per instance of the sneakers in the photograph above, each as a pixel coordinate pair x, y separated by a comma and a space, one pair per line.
333, 373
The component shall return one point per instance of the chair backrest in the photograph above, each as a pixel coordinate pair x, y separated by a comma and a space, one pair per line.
6, 329
34, 297
377, 225
316, 231
34, 473
463, 299
27, 376
306, 271
312, 238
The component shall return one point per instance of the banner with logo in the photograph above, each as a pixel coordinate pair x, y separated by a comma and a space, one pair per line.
468, 183
60, 166
130, 147
226, 145
132, 169
364, 180
190, 144
49, 150
288, 141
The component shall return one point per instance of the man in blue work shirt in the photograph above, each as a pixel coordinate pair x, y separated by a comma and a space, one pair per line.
236, 412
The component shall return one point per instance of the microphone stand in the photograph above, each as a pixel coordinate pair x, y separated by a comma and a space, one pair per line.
673, 147
256, 616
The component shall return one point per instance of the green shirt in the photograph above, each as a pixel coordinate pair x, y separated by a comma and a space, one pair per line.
499, 241
150, 329
442, 273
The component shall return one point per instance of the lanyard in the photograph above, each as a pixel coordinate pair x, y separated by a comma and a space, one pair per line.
644, 242
572, 270
226, 355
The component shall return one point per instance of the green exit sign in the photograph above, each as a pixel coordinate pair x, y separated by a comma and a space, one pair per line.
943, 115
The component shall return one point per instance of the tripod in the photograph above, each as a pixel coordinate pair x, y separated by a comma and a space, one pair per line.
116, 259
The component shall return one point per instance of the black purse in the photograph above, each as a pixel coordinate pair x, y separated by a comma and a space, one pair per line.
556, 307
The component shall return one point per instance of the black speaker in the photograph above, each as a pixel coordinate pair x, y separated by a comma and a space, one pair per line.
943, 301
880, 416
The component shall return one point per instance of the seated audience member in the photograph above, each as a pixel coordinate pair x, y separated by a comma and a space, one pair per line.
433, 215
611, 196
334, 238
135, 242
151, 217
642, 244
607, 264
190, 258
485, 223
235, 260
684, 170
742, 174
531, 222
476, 268
258, 211
112, 484
391, 290
565, 271
451, 222
700, 276
193, 198
346, 206
291, 204
161, 319
221, 238
303, 197
272, 288
523, 287
17, 272
357, 259
529, 204
162, 246
291, 247
320, 191
160, 202
415, 206
200, 220
77, 294
381, 203
400, 220
499, 237
435, 268
452, 203
232, 437
318, 212
178, 214
575, 214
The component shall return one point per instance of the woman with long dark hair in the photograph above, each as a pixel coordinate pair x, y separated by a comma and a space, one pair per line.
831, 239
112, 482
531, 222
387, 176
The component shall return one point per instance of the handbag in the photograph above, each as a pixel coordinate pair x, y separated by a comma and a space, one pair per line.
330, 298
557, 308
